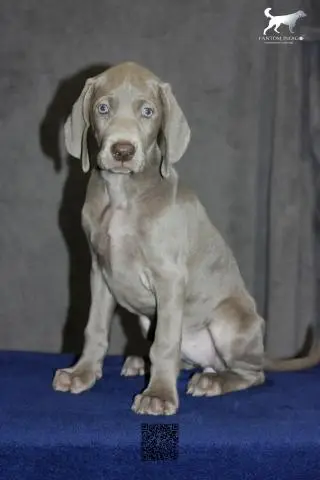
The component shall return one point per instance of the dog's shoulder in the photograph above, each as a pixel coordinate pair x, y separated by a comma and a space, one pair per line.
185, 195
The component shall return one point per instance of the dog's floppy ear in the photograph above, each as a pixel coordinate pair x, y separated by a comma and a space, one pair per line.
175, 130
77, 124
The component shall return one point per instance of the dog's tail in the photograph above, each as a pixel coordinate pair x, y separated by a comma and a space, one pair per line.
267, 13
311, 360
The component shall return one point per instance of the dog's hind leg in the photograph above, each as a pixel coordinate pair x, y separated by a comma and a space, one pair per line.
268, 27
135, 365
237, 331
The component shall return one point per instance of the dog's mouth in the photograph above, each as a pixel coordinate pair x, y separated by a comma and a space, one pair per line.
120, 170
120, 167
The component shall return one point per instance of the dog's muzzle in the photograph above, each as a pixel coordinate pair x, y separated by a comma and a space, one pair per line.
119, 156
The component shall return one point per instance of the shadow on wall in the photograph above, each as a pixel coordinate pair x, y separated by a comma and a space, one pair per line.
69, 219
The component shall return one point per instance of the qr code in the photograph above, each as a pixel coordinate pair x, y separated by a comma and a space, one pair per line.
159, 441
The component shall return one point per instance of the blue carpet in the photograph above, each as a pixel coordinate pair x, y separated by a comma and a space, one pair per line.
267, 432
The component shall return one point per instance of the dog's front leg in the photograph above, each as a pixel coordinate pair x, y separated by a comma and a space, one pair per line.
291, 27
161, 396
88, 369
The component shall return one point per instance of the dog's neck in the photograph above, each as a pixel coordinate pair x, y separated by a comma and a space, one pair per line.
125, 188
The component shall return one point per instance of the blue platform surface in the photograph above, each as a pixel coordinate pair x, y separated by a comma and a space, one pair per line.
267, 432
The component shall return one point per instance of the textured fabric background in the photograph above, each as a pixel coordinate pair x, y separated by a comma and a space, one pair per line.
246, 160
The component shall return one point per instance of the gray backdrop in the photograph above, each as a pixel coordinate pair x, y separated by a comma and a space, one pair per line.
252, 158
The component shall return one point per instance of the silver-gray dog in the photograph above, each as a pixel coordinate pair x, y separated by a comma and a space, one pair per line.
156, 253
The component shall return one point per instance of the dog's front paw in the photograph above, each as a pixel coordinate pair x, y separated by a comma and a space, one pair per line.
148, 404
76, 379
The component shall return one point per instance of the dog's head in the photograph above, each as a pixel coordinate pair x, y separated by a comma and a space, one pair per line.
301, 14
133, 116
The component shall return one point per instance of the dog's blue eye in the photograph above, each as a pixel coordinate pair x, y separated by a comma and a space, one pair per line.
147, 112
103, 108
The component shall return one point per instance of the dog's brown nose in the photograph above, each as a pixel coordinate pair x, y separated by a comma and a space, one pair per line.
123, 151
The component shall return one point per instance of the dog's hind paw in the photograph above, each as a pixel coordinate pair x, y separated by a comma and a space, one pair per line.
133, 366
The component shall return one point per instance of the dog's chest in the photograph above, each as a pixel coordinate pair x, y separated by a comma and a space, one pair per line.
116, 241
119, 253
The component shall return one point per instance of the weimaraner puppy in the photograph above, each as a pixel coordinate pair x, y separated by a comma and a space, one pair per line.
156, 253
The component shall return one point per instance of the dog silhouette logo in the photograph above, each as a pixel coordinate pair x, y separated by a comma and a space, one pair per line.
289, 20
